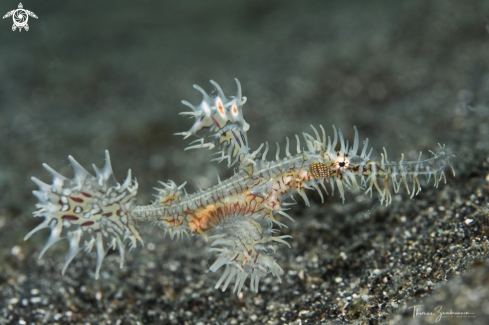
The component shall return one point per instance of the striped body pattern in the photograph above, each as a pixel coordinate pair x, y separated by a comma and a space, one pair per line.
240, 217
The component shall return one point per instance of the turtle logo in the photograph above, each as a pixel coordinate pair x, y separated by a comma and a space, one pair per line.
20, 17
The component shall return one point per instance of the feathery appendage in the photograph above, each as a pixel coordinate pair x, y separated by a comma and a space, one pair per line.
245, 246
94, 209
224, 118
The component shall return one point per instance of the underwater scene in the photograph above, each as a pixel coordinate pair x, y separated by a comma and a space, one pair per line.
244, 162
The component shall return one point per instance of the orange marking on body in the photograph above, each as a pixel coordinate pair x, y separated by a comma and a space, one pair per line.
235, 109
192, 226
169, 198
220, 107
200, 219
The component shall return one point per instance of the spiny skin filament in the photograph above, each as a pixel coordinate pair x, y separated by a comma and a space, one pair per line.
240, 216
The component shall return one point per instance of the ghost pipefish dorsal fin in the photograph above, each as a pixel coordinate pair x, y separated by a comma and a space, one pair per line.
224, 118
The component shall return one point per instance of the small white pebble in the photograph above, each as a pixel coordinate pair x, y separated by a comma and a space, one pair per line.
16, 250
468, 221
98, 295
301, 274
35, 300
338, 280
304, 313
13, 301
151, 246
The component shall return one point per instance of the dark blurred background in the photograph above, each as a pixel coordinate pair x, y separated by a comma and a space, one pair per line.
90, 76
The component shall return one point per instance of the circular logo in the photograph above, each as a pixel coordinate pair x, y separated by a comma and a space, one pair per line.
20, 18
